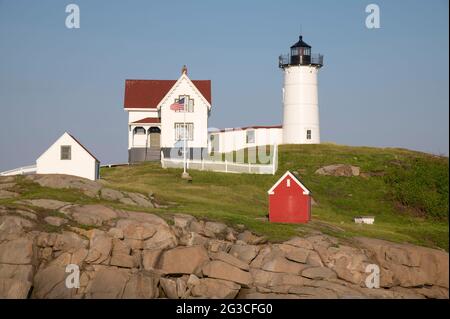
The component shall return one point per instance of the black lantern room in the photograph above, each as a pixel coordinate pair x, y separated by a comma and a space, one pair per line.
301, 52
301, 55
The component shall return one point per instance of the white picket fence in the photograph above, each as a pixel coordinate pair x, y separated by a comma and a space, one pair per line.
224, 166
31, 169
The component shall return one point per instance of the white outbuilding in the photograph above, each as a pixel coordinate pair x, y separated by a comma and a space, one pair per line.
70, 157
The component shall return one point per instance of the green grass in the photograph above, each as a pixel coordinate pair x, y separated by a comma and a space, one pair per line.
242, 198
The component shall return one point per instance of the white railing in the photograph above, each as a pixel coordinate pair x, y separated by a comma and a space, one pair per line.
224, 166
31, 169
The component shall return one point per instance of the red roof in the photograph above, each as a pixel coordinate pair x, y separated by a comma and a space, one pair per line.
148, 93
148, 120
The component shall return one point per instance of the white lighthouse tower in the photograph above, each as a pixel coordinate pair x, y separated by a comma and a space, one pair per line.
300, 98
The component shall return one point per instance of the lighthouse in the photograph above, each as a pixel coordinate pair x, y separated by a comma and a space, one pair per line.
300, 96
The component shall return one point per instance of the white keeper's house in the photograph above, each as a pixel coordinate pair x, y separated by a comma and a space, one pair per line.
154, 127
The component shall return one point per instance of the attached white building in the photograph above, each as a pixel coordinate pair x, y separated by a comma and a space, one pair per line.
70, 157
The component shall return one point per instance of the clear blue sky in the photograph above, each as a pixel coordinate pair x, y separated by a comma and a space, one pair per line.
379, 87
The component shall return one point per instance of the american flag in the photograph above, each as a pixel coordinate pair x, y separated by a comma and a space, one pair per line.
178, 106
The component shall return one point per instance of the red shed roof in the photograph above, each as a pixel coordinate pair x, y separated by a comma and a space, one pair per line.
306, 191
148, 93
148, 120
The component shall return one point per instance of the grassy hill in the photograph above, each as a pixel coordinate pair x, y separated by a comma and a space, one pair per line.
407, 192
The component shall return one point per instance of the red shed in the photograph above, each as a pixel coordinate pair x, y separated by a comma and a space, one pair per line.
289, 201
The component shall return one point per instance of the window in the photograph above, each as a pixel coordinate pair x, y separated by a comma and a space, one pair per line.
66, 152
308, 134
139, 131
294, 51
189, 102
288, 182
180, 131
214, 142
250, 137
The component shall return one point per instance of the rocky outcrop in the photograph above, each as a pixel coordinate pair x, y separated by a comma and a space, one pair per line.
125, 254
339, 170
94, 189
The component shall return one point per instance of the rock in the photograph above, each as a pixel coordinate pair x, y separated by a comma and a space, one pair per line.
151, 258
183, 260
339, 170
127, 201
88, 187
12, 227
170, 287
215, 288
342, 290
221, 270
108, 283
55, 221
319, 273
46, 203
281, 282
193, 239
249, 238
216, 245
141, 286
266, 254
14, 289
281, 264
164, 238
134, 243
252, 294
145, 218
19, 251
47, 279
136, 230
314, 259
116, 233
299, 242
183, 221
229, 259
192, 281
46, 240
17, 272
245, 253
67, 241
215, 229
7, 194
26, 214
123, 260
140, 200
182, 287
296, 254
409, 265
99, 249
94, 215
433, 292
111, 194
120, 247
313, 293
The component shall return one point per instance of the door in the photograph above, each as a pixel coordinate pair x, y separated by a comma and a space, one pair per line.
154, 138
